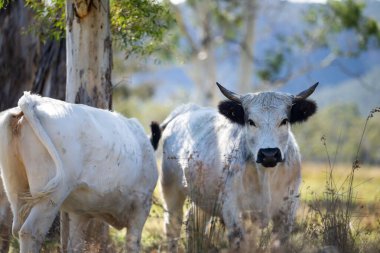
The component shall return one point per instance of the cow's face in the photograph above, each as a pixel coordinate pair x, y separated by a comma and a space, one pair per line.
266, 118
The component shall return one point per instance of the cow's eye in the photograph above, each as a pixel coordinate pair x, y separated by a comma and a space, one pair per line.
284, 122
251, 122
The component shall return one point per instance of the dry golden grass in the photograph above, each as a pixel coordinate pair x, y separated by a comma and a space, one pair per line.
366, 181
365, 223
366, 214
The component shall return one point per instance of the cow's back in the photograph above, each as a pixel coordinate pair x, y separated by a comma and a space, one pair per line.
103, 154
199, 146
91, 162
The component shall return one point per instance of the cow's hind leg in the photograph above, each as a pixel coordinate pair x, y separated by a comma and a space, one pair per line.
84, 234
39, 220
197, 231
5, 220
173, 214
137, 215
16, 184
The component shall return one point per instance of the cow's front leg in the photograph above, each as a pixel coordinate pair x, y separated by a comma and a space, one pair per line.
234, 226
283, 221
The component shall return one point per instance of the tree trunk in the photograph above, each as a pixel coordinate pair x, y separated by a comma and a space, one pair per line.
89, 53
246, 69
89, 62
204, 62
25, 64
17, 66
50, 78
19, 53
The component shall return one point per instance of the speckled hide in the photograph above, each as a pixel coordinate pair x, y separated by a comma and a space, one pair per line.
243, 159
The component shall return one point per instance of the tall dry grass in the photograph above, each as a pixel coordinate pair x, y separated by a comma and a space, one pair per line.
331, 222
334, 221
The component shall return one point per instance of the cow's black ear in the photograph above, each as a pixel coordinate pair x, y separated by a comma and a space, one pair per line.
302, 110
232, 110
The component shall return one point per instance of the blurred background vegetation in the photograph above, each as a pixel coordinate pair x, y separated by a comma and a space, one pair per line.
252, 46
166, 53
172, 52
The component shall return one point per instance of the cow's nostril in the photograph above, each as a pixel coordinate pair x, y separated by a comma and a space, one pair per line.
270, 152
269, 157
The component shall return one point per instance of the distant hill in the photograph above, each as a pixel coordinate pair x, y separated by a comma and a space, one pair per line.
364, 92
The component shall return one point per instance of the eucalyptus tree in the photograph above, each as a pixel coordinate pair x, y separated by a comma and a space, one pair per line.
211, 32
137, 26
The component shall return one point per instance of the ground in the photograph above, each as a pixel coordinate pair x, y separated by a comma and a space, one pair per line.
320, 219
365, 218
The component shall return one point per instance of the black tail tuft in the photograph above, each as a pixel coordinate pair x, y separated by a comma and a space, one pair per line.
156, 134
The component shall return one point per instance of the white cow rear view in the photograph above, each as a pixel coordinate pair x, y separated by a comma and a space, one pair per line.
87, 161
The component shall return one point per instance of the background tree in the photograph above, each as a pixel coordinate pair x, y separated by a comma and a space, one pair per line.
27, 62
211, 32
89, 58
342, 27
89, 62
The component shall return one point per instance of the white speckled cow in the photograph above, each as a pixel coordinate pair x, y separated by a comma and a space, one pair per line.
90, 162
242, 158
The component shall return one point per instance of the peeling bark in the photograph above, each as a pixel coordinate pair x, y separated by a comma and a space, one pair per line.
89, 55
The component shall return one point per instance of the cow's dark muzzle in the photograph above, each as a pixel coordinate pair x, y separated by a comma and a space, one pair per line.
269, 157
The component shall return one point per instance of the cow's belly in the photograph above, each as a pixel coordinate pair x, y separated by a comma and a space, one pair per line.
87, 200
116, 170
112, 207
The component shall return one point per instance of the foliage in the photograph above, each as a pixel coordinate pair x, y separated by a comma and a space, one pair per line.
137, 102
49, 19
339, 17
4, 3
219, 26
137, 25
273, 65
339, 26
201, 25
339, 124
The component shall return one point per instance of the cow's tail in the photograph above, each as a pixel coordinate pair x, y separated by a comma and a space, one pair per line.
157, 129
27, 104
155, 134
